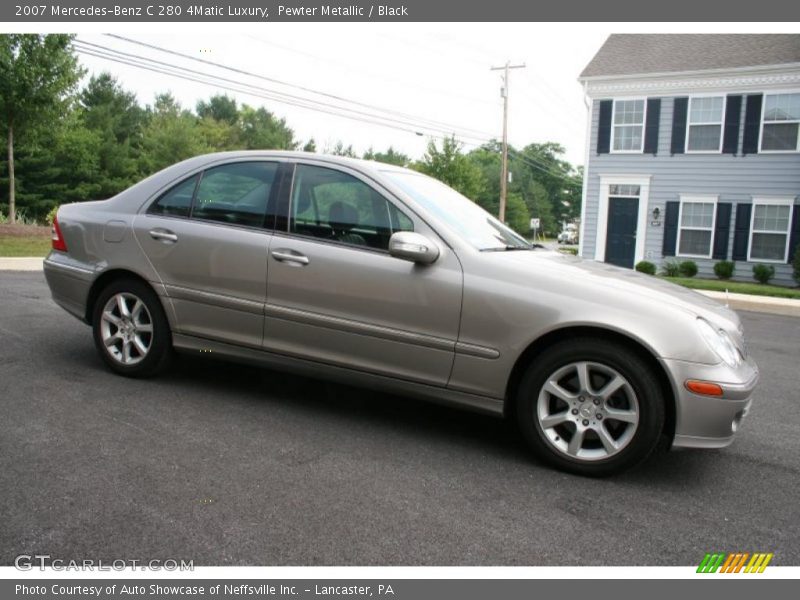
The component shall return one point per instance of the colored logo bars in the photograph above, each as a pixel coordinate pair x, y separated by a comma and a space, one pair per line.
734, 562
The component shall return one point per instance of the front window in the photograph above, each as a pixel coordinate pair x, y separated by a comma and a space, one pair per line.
627, 134
696, 227
769, 233
460, 214
334, 206
704, 130
780, 128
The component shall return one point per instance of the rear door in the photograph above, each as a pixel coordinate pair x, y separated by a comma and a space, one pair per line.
207, 238
335, 294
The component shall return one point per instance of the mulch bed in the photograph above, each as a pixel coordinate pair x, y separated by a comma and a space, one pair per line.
24, 230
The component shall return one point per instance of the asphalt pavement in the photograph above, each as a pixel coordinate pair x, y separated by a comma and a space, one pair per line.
233, 465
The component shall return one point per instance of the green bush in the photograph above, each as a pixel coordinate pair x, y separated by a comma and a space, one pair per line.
671, 268
688, 268
573, 251
645, 266
51, 215
724, 269
763, 273
796, 264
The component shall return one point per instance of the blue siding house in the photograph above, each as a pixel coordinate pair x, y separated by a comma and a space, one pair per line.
693, 151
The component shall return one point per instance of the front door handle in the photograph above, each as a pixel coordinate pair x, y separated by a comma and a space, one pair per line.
163, 235
290, 257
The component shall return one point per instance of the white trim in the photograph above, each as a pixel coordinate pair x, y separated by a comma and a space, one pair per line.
697, 199
643, 181
721, 123
614, 126
585, 190
754, 69
771, 201
773, 77
761, 125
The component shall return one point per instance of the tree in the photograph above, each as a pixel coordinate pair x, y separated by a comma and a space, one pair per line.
261, 130
391, 157
452, 167
220, 108
116, 119
310, 146
37, 75
340, 150
171, 135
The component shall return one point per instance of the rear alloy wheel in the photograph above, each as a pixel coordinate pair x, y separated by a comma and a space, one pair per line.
130, 329
591, 407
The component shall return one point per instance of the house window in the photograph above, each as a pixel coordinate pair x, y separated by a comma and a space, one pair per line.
704, 128
781, 123
769, 230
627, 133
696, 226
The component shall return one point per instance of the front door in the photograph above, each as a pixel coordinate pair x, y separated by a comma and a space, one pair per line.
623, 214
336, 296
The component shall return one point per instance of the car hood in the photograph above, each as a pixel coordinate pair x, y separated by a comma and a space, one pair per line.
583, 274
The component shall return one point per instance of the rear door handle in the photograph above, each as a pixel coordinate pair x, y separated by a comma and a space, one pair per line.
163, 235
290, 257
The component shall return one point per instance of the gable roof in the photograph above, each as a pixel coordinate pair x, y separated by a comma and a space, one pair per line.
641, 54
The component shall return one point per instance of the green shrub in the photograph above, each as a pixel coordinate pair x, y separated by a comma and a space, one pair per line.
671, 268
51, 215
3, 218
724, 269
763, 273
645, 266
688, 268
573, 251
796, 264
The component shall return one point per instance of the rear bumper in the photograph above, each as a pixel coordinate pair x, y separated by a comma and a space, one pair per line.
69, 283
711, 421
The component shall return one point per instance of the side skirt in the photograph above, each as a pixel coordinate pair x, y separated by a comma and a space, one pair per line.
190, 344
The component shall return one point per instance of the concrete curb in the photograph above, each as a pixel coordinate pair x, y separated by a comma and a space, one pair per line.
21, 263
764, 304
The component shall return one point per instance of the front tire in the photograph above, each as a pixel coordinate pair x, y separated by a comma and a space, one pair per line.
590, 407
130, 329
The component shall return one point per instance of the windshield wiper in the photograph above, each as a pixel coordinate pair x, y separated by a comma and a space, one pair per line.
510, 248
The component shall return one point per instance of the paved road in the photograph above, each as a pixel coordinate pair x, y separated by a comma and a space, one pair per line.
227, 464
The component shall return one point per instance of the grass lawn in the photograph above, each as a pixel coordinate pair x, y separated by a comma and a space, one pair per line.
736, 287
24, 240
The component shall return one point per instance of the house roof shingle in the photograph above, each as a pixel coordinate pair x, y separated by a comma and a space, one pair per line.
640, 54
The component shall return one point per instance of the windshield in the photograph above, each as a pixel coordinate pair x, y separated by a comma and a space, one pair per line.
461, 214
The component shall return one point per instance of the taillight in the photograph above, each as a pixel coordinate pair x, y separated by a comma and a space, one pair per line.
58, 239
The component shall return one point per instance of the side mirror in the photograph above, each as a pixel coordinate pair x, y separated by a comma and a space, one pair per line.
414, 247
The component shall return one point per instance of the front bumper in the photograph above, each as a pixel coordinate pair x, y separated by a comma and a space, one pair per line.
710, 421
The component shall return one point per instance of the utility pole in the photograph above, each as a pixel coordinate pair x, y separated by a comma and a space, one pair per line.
504, 168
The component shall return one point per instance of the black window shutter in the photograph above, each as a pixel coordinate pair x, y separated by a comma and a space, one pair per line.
670, 228
679, 112
741, 231
651, 127
752, 124
722, 231
733, 115
794, 237
604, 127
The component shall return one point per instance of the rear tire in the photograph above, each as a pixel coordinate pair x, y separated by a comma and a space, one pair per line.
591, 407
130, 329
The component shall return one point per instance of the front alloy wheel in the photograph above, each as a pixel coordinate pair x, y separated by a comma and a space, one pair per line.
591, 406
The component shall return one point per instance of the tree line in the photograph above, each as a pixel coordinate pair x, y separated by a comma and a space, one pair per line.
67, 143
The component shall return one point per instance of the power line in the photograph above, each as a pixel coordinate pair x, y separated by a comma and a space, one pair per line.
180, 72
303, 88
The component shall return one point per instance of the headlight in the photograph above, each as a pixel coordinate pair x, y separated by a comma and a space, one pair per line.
720, 342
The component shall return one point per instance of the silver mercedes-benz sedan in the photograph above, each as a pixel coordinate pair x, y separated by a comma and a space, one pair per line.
382, 277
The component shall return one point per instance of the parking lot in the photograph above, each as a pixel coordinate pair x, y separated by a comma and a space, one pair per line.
228, 464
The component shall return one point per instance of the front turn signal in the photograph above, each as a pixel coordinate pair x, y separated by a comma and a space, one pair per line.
704, 388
